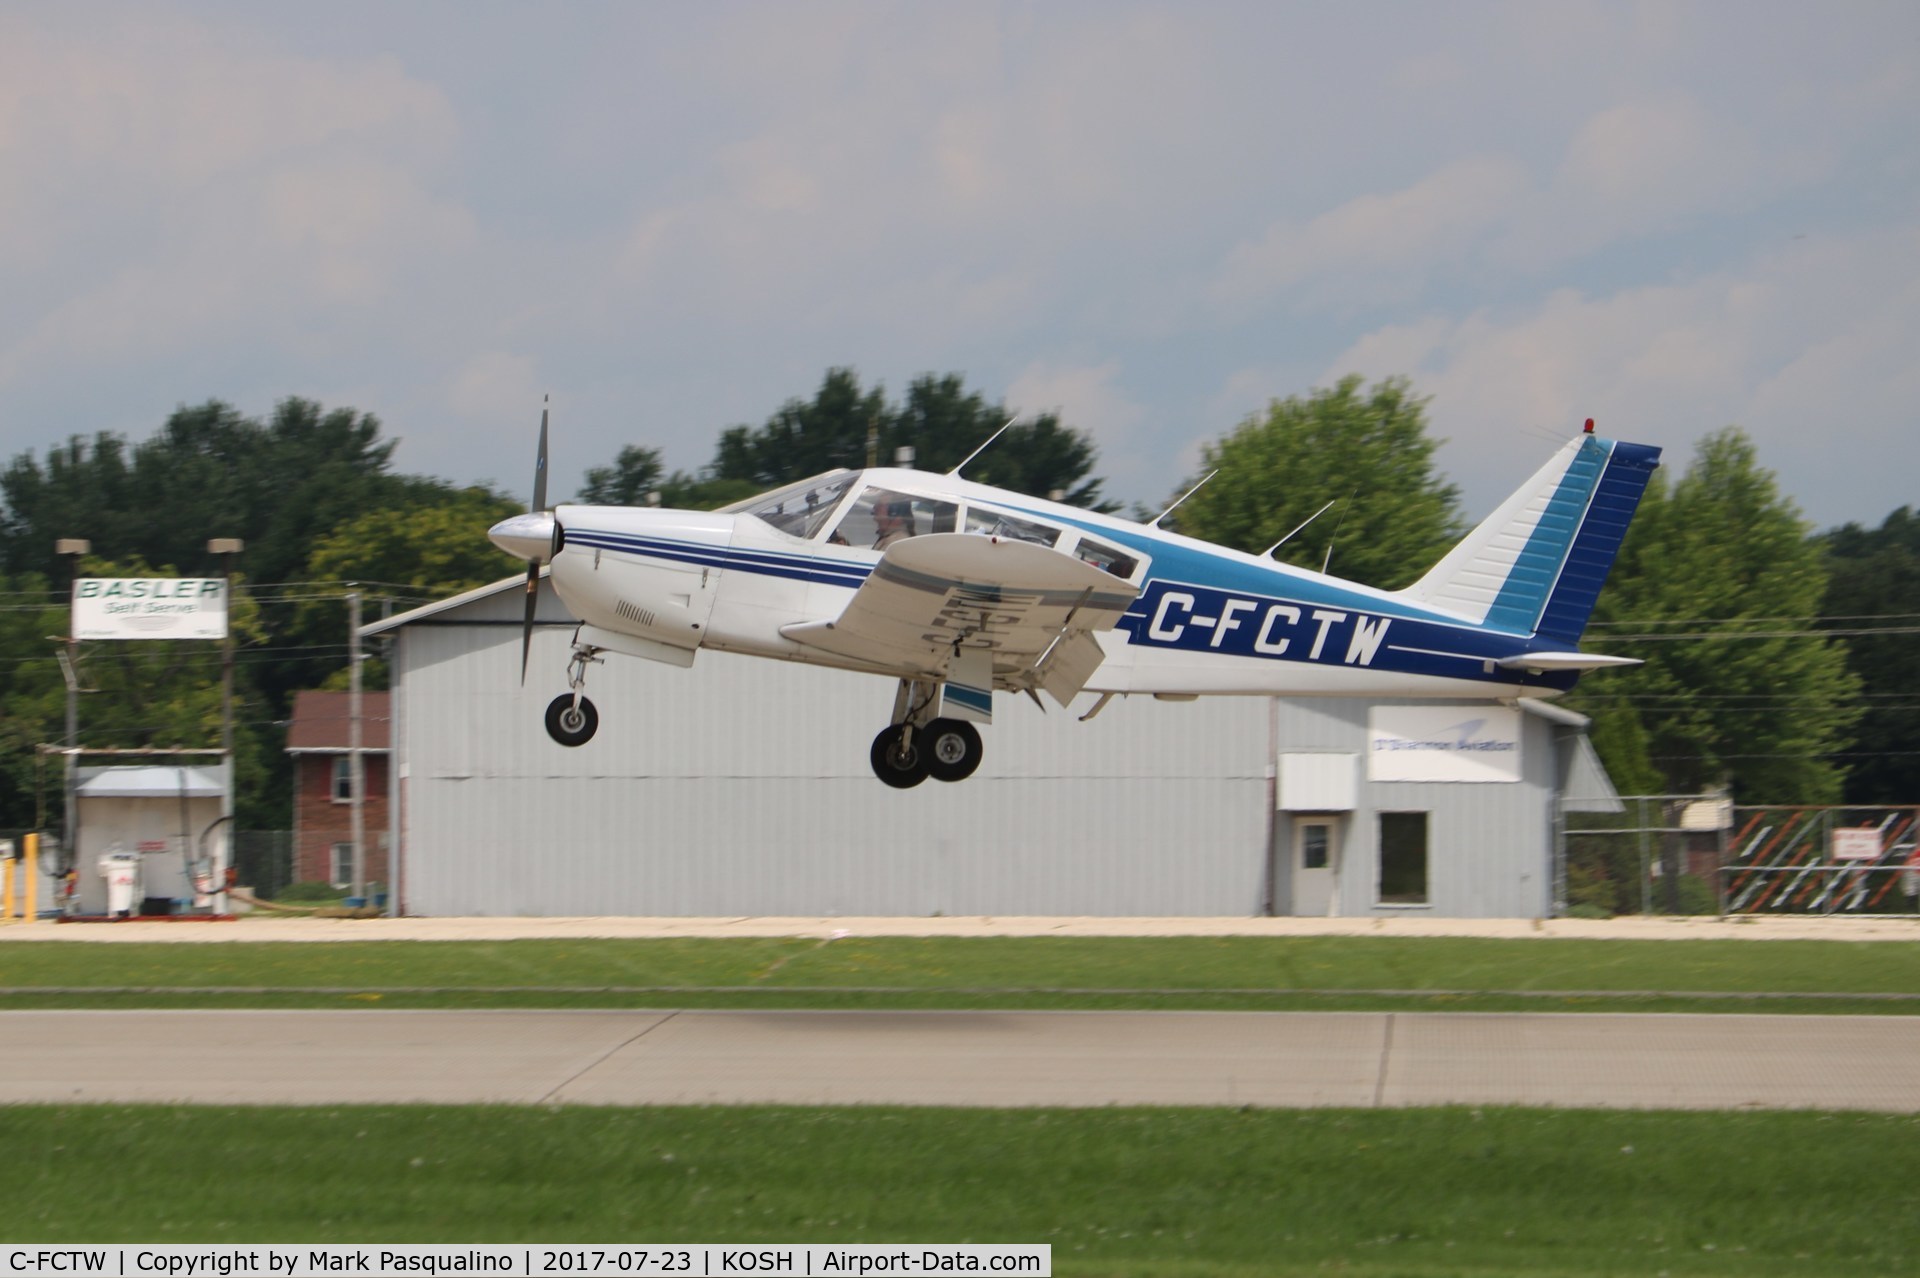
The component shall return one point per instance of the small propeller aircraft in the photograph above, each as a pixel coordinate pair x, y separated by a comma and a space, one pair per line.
958, 590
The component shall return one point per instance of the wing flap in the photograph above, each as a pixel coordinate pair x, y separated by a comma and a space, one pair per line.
931, 596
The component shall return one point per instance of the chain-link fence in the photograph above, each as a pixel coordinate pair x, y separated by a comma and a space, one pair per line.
263, 861
1703, 854
1658, 854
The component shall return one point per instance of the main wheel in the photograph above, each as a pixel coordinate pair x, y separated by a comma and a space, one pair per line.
571, 725
900, 765
953, 747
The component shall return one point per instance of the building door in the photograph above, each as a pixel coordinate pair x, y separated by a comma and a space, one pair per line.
1316, 853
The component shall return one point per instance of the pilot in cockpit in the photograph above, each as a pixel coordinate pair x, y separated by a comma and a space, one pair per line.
892, 521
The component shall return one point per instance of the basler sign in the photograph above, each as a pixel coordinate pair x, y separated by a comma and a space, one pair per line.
149, 608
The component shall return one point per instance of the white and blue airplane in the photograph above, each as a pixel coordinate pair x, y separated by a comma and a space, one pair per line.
958, 590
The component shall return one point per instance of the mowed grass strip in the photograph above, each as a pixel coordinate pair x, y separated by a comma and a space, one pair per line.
1223, 972
1125, 1191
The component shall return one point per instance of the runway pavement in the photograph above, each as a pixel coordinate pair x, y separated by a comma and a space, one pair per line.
1015, 1058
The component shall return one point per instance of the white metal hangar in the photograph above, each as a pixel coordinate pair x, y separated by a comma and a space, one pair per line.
741, 786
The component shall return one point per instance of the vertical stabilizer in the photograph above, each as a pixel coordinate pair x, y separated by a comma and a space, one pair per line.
1535, 566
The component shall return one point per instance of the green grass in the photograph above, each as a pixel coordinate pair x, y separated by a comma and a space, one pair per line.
1130, 1191
1313, 973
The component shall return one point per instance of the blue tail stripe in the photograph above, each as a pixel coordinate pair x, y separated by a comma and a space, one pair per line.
1593, 551
1524, 595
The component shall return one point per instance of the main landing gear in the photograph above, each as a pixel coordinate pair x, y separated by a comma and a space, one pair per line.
919, 745
571, 718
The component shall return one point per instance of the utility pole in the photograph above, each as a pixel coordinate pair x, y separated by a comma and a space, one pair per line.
226, 548
356, 778
74, 548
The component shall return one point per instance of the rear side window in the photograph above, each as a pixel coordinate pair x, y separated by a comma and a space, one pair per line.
991, 523
1107, 558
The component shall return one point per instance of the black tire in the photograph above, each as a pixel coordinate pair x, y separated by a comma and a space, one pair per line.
900, 766
570, 728
953, 749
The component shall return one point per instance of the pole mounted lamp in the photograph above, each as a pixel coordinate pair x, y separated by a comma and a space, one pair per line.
73, 548
226, 548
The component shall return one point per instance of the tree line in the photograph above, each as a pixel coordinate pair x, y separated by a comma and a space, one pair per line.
1757, 673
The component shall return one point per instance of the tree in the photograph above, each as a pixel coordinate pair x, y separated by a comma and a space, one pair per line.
635, 472
805, 437
846, 425
1875, 574
208, 472
1395, 517
403, 557
1716, 590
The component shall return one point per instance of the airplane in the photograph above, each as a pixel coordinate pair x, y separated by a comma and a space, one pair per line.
958, 590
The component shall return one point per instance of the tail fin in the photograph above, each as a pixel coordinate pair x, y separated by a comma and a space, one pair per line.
1535, 566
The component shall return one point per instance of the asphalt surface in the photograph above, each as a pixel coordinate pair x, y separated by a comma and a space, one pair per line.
964, 1058
959, 1057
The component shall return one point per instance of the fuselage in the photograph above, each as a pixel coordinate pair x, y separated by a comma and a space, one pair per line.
1207, 620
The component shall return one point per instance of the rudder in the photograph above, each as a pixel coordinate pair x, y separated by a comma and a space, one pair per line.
1536, 565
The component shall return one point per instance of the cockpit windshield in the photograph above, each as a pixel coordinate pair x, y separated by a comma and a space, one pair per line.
802, 509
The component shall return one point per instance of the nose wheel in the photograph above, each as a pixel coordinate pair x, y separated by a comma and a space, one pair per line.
572, 720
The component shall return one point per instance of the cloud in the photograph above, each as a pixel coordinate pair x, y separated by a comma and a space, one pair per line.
1792, 345
1374, 239
172, 188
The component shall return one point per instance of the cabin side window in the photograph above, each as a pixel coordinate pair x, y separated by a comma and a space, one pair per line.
880, 517
991, 523
1106, 558
802, 509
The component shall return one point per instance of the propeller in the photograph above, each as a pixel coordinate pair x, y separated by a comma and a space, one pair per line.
538, 507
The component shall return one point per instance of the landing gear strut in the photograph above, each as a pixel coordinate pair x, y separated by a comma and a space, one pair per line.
918, 745
571, 718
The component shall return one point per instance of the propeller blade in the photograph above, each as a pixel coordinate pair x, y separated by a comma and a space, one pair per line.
540, 467
526, 626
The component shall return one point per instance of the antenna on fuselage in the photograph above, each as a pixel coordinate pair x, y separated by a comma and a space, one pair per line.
1327, 562
955, 472
1297, 527
1182, 497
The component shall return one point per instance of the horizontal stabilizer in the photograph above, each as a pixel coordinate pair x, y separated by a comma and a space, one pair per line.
1564, 661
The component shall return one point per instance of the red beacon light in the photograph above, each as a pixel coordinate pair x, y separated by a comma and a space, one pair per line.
1589, 426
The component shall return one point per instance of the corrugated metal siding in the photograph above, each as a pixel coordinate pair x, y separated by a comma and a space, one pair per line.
741, 786
1489, 846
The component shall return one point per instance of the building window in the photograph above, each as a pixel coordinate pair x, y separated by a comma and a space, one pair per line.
1403, 858
342, 865
342, 778
1313, 846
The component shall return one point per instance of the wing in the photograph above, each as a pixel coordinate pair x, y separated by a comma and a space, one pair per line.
962, 598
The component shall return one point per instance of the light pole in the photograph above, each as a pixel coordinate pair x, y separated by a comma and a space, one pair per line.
226, 548
74, 548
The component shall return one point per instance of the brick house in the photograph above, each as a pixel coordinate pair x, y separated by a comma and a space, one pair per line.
317, 738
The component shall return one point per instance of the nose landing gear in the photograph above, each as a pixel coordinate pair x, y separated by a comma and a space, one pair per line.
571, 718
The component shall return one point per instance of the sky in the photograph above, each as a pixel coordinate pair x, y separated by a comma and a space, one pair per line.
1151, 218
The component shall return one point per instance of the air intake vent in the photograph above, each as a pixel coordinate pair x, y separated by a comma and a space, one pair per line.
631, 613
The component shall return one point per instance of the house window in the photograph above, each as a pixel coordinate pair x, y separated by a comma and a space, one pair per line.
342, 778
1403, 858
342, 865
